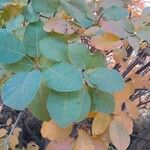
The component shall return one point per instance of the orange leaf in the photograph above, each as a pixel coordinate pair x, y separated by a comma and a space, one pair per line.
119, 135
126, 121
63, 145
58, 25
99, 144
100, 123
2, 132
52, 131
83, 142
106, 41
132, 109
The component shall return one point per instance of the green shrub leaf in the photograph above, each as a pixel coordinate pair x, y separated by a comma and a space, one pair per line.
54, 49
19, 91
102, 101
11, 49
80, 56
64, 77
66, 108
33, 34
105, 79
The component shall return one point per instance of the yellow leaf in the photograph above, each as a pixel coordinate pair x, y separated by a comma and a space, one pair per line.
13, 140
91, 31
126, 122
58, 25
92, 114
106, 136
52, 131
106, 41
83, 142
2, 132
132, 109
9, 121
100, 123
119, 135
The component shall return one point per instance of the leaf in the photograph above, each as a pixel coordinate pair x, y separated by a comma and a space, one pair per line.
124, 94
83, 142
2, 132
54, 49
14, 141
103, 102
9, 122
144, 33
100, 123
45, 6
63, 145
108, 3
115, 13
73, 9
106, 41
105, 79
29, 14
19, 91
64, 77
58, 25
126, 121
23, 65
80, 56
132, 109
119, 135
11, 49
33, 34
15, 23
99, 144
38, 106
66, 108
52, 131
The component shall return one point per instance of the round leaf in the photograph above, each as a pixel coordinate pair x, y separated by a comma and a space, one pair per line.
19, 91
11, 49
64, 77
66, 108
105, 79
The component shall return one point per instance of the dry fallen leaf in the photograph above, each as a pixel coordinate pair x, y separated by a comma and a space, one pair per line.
83, 142
99, 144
2, 132
132, 109
126, 122
58, 25
100, 123
9, 121
119, 135
92, 114
52, 131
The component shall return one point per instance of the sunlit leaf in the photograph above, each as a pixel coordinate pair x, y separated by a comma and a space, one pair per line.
2, 132
119, 135
100, 123
52, 131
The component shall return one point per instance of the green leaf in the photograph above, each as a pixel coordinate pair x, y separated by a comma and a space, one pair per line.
4, 2
29, 14
11, 49
54, 49
80, 56
105, 79
2, 70
38, 106
19, 91
144, 33
45, 6
22, 65
66, 108
14, 23
64, 77
74, 10
33, 34
102, 101
115, 13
